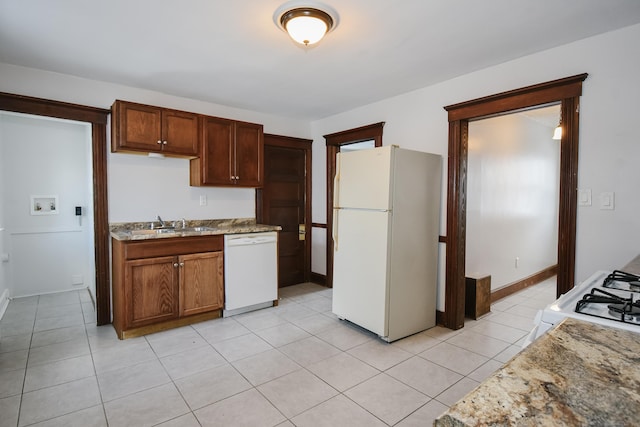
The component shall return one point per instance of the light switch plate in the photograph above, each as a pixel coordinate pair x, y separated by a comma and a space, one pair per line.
584, 197
607, 201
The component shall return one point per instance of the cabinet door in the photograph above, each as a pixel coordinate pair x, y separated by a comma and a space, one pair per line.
137, 127
201, 282
179, 133
151, 286
216, 164
249, 151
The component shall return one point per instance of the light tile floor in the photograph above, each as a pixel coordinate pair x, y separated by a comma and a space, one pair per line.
291, 365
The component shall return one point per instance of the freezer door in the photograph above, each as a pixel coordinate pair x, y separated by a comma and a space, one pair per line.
360, 271
363, 179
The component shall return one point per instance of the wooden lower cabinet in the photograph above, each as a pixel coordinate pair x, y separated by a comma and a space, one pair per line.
201, 277
164, 283
151, 287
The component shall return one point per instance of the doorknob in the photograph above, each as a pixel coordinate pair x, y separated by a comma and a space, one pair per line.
301, 231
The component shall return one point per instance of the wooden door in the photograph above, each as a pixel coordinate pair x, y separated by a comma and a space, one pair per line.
201, 282
180, 132
284, 201
151, 287
249, 150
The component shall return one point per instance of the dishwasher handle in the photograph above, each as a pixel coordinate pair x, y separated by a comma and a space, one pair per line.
250, 240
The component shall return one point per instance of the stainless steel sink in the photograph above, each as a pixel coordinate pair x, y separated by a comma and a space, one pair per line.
197, 229
152, 232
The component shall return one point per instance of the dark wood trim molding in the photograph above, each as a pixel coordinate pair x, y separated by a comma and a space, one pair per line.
523, 98
318, 225
49, 108
519, 285
319, 279
565, 91
334, 141
98, 119
302, 144
442, 239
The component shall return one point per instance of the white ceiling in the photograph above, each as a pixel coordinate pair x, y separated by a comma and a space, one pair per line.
230, 52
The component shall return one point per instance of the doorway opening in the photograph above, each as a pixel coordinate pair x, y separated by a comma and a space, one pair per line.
97, 118
567, 92
513, 185
47, 208
335, 143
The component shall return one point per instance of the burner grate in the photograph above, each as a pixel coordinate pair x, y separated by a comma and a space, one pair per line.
618, 278
619, 308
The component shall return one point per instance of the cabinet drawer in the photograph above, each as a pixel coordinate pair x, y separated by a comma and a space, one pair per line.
172, 246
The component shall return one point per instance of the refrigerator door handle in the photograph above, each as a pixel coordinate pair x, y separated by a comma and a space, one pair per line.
334, 233
336, 185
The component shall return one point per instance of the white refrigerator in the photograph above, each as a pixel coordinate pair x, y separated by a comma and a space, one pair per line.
385, 230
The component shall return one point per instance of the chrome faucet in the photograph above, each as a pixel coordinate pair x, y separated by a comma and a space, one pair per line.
161, 221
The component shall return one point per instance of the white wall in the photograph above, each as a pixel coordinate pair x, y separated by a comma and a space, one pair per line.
512, 198
141, 187
47, 157
609, 150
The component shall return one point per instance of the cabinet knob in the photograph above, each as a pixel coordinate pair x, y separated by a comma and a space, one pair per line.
182, 264
164, 142
159, 142
175, 264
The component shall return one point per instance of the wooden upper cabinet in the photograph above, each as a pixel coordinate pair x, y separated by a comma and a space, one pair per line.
149, 129
249, 153
231, 154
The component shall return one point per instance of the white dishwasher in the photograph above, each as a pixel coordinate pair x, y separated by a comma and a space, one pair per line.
250, 271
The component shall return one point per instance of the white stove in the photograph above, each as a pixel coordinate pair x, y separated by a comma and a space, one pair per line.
607, 298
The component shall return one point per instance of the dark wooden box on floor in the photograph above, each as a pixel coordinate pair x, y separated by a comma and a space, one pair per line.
477, 296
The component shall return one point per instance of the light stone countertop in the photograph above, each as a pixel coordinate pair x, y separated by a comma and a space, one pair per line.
578, 374
123, 230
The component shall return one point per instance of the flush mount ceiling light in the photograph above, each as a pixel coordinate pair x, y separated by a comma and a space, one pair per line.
305, 22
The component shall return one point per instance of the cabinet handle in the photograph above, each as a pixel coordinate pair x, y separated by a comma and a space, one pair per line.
159, 142
175, 264
182, 264
237, 177
164, 142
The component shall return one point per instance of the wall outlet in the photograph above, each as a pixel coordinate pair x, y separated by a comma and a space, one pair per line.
607, 200
77, 280
584, 197
203, 200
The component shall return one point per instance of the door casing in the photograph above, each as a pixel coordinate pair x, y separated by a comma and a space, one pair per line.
97, 117
567, 91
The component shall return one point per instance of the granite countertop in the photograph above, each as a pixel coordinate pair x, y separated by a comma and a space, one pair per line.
143, 231
577, 374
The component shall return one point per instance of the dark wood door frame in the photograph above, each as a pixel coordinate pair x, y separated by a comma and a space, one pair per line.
334, 141
566, 91
300, 144
98, 119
